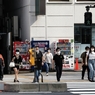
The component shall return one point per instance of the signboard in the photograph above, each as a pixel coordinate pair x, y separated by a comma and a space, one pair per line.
43, 45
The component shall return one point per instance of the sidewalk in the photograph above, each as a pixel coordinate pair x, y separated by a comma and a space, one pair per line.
27, 77
49, 82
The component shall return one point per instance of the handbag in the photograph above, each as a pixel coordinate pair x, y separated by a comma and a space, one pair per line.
12, 64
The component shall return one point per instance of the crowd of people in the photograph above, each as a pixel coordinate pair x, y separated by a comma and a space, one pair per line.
48, 59
53, 61
88, 62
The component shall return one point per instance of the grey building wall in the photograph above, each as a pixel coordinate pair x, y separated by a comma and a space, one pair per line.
25, 10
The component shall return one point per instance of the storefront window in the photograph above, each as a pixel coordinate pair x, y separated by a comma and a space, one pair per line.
85, 0
77, 35
58, 0
84, 34
40, 7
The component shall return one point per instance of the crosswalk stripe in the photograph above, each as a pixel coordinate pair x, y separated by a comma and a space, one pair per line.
81, 89
82, 92
87, 94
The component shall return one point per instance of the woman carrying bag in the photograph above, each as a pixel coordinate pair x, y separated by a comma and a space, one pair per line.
17, 60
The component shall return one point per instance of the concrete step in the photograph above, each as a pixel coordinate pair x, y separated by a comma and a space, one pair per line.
35, 87
1, 86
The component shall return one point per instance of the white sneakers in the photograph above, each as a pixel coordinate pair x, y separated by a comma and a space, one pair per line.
46, 74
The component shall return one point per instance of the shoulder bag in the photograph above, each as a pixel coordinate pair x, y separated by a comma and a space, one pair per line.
12, 64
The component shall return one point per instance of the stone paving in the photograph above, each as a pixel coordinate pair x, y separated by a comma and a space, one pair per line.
28, 77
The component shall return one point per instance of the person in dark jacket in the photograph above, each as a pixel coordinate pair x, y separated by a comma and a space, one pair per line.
17, 59
84, 64
38, 64
58, 60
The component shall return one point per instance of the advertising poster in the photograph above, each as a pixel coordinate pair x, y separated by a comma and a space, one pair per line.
77, 49
43, 45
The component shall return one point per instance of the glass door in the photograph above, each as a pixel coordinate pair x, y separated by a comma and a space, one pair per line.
86, 35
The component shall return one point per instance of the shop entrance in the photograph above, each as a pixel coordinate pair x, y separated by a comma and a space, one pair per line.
83, 36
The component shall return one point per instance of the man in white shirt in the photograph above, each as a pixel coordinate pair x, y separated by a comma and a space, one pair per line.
48, 60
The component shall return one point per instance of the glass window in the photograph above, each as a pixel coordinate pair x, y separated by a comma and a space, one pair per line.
58, 0
82, 34
77, 36
85, 0
86, 35
40, 7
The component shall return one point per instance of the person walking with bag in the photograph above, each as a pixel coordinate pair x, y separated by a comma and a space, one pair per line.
58, 60
90, 57
17, 60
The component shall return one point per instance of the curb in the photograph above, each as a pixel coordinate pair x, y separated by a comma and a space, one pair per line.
1, 86
35, 87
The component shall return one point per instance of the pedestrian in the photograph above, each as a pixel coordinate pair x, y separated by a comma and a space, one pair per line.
17, 59
58, 60
48, 60
90, 57
38, 64
2, 65
84, 65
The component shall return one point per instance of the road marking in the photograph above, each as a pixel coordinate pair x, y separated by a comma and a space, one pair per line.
83, 92
35, 92
87, 94
84, 82
81, 89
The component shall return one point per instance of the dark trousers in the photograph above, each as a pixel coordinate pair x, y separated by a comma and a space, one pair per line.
84, 68
58, 72
1, 72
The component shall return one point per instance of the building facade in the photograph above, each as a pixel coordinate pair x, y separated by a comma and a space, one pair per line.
47, 20
64, 19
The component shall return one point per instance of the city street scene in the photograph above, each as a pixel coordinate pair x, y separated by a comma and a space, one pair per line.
47, 47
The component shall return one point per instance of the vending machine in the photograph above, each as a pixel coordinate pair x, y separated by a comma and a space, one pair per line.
43, 46
67, 50
23, 48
